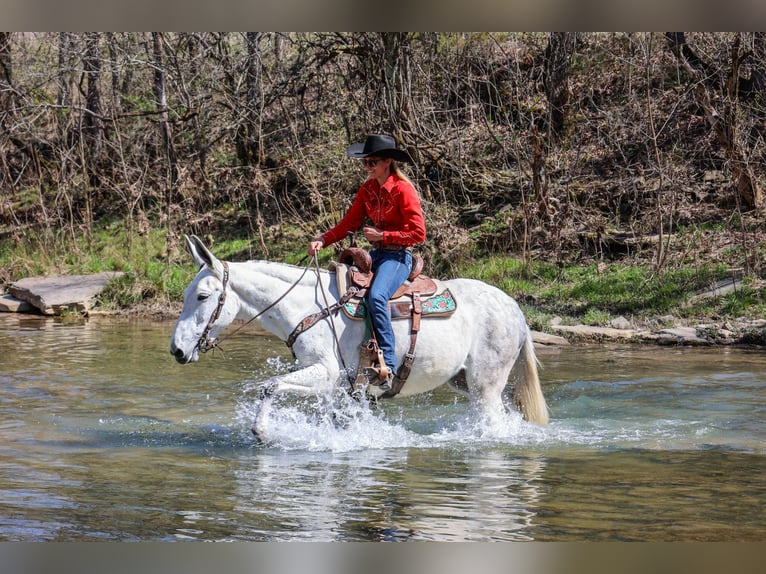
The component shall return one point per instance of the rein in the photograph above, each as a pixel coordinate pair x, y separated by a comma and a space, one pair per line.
204, 343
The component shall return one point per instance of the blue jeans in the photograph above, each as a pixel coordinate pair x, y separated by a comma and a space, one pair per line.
391, 269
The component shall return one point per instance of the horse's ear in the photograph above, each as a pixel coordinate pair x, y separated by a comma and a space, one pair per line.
202, 255
190, 246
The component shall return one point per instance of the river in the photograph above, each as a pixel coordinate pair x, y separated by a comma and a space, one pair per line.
106, 437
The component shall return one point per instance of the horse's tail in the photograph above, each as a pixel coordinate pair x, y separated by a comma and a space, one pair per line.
527, 394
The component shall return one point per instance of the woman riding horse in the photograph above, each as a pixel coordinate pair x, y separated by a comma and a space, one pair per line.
390, 200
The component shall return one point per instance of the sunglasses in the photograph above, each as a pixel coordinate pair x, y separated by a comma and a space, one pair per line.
371, 162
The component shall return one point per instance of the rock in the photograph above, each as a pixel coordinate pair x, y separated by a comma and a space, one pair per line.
10, 304
548, 339
620, 323
56, 294
597, 332
680, 332
681, 336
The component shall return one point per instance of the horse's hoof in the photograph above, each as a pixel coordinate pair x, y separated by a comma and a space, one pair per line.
340, 422
259, 440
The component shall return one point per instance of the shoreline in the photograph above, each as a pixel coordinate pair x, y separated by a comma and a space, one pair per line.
662, 331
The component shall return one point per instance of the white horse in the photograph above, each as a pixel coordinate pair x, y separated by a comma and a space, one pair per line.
473, 350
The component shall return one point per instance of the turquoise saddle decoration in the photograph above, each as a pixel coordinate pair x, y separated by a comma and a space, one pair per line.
440, 305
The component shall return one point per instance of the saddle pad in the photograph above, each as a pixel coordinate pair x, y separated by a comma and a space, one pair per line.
442, 304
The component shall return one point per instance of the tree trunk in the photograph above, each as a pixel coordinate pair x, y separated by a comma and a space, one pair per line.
6, 104
539, 178
397, 74
249, 136
6, 76
92, 121
62, 95
688, 58
113, 72
558, 62
720, 105
161, 103
758, 74
748, 190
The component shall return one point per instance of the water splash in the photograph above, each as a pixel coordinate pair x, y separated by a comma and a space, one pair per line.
343, 424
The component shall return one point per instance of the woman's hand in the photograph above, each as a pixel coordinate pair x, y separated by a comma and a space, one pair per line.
314, 247
372, 234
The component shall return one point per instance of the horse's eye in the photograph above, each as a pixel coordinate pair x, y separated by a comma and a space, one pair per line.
202, 296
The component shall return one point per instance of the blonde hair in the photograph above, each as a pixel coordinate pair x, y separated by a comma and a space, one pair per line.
395, 169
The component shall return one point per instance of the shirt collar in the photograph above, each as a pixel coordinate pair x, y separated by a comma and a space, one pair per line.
388, 185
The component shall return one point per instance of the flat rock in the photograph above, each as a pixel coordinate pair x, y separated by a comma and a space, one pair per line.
547, 339
597, 332
10, 304
58, 293
680, 332
681, 335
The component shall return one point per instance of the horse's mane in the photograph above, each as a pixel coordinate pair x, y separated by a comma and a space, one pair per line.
287, 272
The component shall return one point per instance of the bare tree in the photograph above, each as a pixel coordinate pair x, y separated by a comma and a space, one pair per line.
92, 122
718, 94
6, 101
92, 118
249, 134
6, 74
63, 77
165, 133
558, 61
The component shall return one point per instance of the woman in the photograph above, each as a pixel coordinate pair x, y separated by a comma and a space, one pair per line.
389, 199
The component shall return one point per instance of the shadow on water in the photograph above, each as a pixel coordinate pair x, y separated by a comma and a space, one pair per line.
106, 437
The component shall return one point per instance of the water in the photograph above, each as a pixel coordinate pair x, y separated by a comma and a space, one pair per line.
106, 437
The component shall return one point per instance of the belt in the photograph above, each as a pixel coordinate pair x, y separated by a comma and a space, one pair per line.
392, 247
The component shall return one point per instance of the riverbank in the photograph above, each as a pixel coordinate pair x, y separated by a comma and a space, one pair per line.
626, 300
665, 331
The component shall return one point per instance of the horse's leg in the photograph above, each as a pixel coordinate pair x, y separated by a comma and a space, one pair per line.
489, 377
488, 383
311, 380
486, 376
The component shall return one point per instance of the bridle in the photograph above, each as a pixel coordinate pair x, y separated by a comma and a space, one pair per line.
204, 344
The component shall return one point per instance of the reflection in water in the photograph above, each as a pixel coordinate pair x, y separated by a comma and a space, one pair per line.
105, 436
421, 494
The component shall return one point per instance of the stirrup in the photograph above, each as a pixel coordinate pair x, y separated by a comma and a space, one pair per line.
379, 376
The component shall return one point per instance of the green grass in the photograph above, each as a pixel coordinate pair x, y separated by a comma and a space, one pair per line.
594, 295
589, 293
149, 272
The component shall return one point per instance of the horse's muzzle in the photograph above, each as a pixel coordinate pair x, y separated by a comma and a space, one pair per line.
180, 355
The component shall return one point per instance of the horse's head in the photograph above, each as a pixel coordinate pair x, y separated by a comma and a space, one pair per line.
206, 311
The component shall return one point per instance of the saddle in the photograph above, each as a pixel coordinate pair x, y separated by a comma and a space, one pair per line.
354, 269
418, 297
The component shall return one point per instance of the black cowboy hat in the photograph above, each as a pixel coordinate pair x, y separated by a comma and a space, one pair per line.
378, 146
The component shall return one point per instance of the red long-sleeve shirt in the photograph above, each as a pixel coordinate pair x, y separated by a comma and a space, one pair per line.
394, 208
